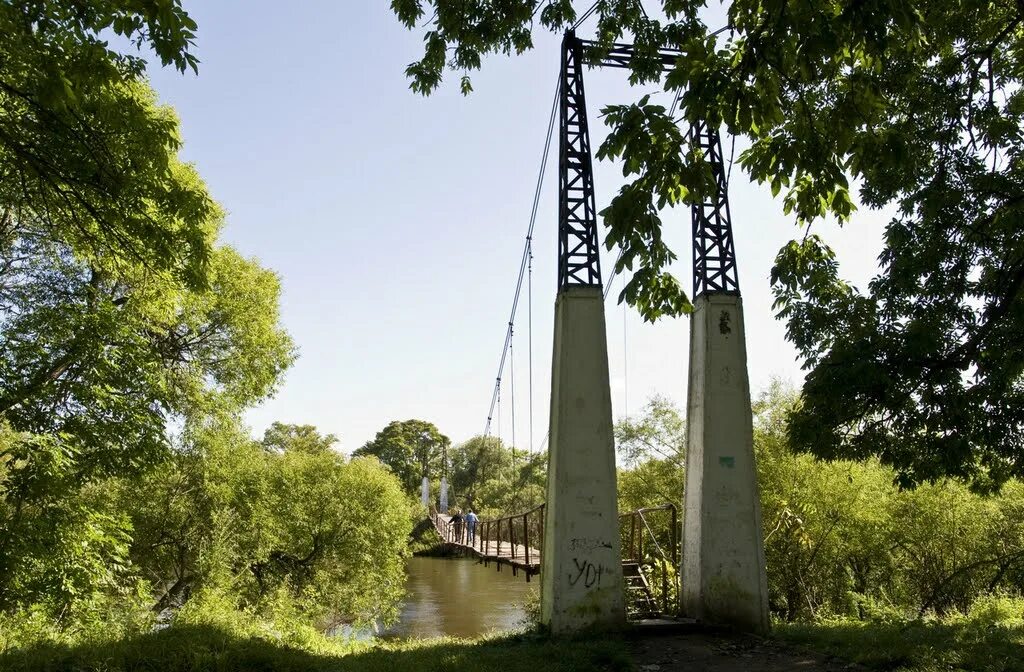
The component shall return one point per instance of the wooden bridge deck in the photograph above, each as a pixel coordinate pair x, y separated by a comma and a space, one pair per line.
517, 556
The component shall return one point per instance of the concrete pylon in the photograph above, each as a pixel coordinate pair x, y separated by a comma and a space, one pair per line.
581, 570
723, 568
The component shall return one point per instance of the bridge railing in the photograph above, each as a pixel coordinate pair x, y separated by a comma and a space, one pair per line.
650, 538
519, 536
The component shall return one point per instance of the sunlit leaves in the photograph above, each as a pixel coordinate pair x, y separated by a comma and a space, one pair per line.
285, 522
462, 33
649, 143
412, 449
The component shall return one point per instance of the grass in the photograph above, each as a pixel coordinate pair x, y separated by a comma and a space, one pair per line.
917, 646
425, 542
195, 648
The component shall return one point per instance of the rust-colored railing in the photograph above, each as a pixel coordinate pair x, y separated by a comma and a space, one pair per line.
513, 540
650, 538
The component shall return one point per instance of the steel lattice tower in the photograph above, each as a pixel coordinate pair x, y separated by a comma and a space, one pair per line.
714, 254
578, 259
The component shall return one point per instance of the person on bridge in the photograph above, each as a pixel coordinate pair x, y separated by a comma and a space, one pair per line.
457, 526
471, 521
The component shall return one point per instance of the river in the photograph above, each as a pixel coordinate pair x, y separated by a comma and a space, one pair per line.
459, 597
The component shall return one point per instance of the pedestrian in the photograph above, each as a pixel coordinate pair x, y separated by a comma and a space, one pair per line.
471, 521
457, 526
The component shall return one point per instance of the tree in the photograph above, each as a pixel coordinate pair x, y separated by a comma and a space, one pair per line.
921, 106
653, 448
86, 153
102, 356
118, 309
659, 432
95, 368
281, 438
121, 315
270, 528
411, 448
495, 479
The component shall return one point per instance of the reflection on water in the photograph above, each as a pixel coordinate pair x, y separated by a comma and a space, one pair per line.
458, 597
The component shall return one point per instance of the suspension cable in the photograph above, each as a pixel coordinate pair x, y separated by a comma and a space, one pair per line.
586, 15
529, 316
512, 394
525, 261
625, 360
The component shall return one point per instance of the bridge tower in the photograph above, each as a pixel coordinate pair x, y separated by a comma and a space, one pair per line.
723, 566
581, 577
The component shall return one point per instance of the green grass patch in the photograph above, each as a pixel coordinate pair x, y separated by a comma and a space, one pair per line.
424, 541
917, 646
195, 648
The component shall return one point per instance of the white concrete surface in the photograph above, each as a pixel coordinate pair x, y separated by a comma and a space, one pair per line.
581, 571
723, 567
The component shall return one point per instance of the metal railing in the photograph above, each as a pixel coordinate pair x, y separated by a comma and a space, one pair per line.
514, 539
645, 535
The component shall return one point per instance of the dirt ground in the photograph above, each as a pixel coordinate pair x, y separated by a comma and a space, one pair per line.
706, 652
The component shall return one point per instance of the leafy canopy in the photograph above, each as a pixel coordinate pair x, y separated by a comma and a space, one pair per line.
411, 448
84, 148
921, 107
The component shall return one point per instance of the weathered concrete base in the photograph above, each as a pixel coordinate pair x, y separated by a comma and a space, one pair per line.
723, 568
581, 568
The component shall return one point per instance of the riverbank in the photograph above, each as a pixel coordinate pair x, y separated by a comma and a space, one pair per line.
908, 647
207, 648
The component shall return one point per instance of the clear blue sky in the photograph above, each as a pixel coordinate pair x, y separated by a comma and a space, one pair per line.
396, 222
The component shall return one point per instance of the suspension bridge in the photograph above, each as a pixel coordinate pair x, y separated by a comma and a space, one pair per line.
649, 542
575, 541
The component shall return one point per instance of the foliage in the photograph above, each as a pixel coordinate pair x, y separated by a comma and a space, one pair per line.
122, 316
273, 525
94, 368
411, 448
841, 540
921, 108
101, 351
494, 479
281, 437
87, 156
974, 642
653, 448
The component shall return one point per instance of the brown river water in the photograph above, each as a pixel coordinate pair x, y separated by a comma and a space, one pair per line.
460, 598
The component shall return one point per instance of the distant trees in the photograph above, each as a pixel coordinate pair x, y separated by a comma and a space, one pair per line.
653, 448
281, 438
482, 472
412, 449
496, 479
